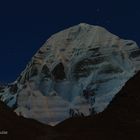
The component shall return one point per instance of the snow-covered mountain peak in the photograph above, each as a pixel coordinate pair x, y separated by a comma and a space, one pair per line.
76, 72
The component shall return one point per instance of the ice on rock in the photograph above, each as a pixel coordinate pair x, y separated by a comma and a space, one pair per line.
81, 58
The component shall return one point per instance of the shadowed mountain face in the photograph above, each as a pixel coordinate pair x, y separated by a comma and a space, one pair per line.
120, 121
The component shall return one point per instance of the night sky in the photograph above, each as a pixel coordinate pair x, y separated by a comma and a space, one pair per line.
26, 24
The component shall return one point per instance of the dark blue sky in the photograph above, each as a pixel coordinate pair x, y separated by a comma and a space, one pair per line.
26, 24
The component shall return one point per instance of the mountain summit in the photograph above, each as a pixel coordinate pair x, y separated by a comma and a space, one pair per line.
76, 72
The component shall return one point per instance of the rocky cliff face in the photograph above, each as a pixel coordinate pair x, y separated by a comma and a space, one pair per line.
76, 71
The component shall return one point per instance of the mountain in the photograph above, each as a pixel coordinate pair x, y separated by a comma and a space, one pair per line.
76, 72
119, 121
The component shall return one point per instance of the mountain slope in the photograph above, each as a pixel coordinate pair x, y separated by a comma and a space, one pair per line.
121, 119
